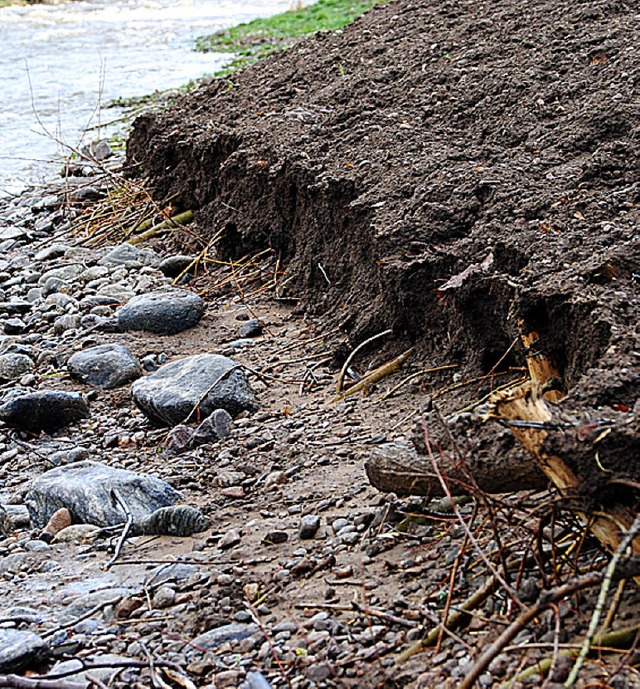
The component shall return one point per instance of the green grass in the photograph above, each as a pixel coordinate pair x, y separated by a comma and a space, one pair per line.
261, 37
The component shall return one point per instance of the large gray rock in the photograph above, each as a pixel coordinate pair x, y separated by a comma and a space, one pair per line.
14, 365
194, 386
20, 650
106, 366
46, 410
165, 312
126, 253
86, 489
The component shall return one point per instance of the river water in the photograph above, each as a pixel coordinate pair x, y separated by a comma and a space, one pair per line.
60, 62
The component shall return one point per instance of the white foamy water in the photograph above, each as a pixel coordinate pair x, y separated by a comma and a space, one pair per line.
60, 62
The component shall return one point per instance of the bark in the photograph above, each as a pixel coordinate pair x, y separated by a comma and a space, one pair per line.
398, 468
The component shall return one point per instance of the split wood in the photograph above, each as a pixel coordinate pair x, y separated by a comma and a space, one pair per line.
376, 375
174, 222
527, 412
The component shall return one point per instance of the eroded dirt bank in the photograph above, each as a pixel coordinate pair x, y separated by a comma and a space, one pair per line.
382, 161
416, 143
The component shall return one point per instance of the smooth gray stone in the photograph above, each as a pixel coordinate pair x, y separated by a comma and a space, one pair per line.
252, 328
210, 640
73, 454
66, 273
175, 390
125, 253
45, 410
255, 680
172, 266
81, 676
106, 366
14, 366
175, 572
86, 490
165, 312
20, 650
84, 603
50, 252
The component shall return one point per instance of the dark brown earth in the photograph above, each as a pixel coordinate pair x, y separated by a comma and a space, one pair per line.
425, 139
460, 172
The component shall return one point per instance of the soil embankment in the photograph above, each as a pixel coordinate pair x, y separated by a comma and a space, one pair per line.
423, 141
385, 159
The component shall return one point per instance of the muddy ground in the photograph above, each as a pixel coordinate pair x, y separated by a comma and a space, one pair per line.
363, 172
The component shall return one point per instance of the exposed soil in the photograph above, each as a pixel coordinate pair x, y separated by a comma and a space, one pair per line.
375, 166
381, 161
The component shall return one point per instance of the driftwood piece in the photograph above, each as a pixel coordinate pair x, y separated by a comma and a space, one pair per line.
533, 422
398, 468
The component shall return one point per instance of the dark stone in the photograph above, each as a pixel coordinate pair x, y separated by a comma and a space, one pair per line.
17, 306
210, 640
88, 303
275, 536
309, 525
86, 194
172, 266
252, 328
14, 326
196, 385
213, 428
105, 366
165, 312
86, 489
46, 410
20, 650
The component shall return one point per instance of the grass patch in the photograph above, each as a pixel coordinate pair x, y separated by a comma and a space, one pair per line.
254, 40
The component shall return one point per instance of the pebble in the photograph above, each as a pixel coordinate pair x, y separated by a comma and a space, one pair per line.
309, 525
230, 539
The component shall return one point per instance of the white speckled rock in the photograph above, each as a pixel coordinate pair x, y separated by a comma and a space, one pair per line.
170, 395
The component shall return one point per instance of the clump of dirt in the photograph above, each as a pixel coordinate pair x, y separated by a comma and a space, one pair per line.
457, 171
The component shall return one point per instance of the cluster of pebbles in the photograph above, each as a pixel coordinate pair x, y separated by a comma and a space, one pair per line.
111, 383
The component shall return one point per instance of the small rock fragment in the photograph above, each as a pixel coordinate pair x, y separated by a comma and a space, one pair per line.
309, 525
230, 539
